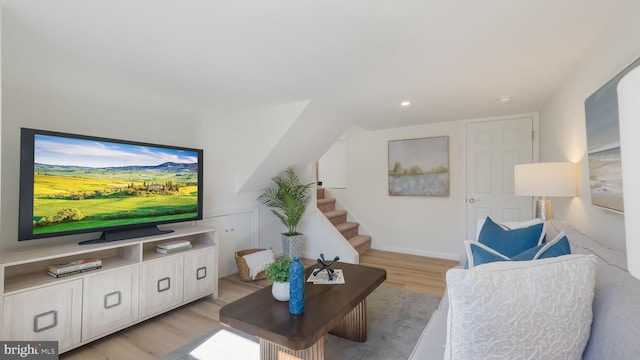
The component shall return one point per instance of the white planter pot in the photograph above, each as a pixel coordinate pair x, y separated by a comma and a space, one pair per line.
280, 291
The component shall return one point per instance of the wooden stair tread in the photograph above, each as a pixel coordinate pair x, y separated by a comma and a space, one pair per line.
326, 201
356, 241
335, 213
347, 226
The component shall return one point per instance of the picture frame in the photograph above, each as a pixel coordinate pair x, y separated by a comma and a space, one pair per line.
419, 167
603, 144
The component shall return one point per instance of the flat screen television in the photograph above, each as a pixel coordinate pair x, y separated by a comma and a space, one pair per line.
74, 184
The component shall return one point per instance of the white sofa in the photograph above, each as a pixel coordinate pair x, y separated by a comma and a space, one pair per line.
615, 330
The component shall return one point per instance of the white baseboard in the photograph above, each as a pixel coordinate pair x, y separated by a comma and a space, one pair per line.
433, 254
308, 255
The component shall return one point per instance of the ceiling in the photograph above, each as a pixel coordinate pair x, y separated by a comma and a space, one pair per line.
451, 58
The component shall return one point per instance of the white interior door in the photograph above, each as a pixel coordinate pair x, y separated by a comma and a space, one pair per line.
493, 149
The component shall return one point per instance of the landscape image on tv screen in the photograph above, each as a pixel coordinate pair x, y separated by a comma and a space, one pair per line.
82, 184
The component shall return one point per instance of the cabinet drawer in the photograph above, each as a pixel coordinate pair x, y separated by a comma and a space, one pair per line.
50, 313
162, 285
200, 275
110, 300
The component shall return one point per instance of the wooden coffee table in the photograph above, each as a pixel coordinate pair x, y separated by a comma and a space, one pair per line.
337, 309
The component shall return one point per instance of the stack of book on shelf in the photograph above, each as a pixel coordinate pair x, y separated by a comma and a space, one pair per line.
74, 267
173, 246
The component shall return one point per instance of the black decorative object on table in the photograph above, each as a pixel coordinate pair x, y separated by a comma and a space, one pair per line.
326, 266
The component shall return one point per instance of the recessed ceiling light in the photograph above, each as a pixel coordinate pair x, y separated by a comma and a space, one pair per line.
405, 103
504, 99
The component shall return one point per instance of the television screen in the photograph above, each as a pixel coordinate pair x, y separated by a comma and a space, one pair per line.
72, 184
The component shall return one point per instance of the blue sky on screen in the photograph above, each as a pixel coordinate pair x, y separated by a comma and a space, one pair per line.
54, 150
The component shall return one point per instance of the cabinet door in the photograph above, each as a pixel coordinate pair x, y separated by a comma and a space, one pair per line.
200, 274
162, 284
236, 232
109, 301
50, 313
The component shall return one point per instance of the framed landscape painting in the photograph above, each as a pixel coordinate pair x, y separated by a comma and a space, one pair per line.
603, 144
419, 167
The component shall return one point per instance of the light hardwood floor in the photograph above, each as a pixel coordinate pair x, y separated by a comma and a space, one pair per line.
159, 336
412, 272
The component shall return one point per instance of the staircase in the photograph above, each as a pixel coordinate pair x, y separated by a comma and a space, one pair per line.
338, 218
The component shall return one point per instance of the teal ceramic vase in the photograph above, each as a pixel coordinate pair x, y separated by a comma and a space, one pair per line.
296, 287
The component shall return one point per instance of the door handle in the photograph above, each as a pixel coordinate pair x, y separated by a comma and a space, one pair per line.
472, 200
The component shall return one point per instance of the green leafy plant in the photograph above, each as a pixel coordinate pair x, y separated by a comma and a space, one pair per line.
288, 199
278, 271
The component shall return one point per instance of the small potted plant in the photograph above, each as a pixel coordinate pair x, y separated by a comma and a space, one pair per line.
278, 272
288, 200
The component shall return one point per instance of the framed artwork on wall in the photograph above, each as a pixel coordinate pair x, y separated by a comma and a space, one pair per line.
419, 167
603, 144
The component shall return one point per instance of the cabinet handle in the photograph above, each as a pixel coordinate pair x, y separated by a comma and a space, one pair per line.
201, 273
168, 286
36, 321
109, 295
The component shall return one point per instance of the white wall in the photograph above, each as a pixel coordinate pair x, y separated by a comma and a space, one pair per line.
1, 87
42, 110
332, 166
244, 150
433, 226
74, 100
562, 122
430, 226
230, 145
43, 89
234, 142
95, 104
232, 150
629, 111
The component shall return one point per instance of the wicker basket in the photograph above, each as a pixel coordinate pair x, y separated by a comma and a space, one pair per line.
243, 269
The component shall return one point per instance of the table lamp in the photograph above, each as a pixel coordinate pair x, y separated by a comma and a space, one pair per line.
546, 179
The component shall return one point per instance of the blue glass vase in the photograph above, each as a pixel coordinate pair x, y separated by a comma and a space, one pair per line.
296, 287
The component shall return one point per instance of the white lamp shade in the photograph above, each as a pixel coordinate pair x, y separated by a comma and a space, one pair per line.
546, 179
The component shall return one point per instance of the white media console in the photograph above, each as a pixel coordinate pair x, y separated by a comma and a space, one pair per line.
135, 283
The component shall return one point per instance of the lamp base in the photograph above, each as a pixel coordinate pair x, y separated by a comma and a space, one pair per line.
544, 210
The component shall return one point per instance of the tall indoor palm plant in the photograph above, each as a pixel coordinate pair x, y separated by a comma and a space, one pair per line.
288, 200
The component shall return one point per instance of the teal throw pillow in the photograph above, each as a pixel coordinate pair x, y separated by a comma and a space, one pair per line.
479, 253
511, 242
557, 247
